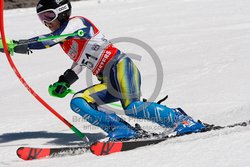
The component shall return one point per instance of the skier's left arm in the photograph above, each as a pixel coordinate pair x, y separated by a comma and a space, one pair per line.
61, 87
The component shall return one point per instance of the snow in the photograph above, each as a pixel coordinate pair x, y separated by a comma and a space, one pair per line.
204, 50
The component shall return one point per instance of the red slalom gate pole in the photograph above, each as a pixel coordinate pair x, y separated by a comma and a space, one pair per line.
73, 128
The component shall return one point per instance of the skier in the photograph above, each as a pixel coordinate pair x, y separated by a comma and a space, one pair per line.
115, 70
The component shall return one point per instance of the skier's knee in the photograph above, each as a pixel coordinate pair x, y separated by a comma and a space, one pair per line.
77, 104
133, 108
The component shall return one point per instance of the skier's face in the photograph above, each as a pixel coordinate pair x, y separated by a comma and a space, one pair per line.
54, 25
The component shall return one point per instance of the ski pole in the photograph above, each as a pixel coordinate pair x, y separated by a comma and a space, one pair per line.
79, 33
73, 128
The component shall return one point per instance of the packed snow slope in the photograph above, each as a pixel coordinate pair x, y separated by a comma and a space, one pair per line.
203, 46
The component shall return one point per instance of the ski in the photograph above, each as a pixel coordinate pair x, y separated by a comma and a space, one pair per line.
31, 153
101, 148
104, 148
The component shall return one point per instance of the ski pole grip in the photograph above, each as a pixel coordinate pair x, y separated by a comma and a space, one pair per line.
80, 33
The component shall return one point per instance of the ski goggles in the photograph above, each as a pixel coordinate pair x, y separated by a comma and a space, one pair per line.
49, 15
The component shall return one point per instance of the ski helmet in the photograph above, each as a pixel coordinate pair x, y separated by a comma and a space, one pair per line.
49, 10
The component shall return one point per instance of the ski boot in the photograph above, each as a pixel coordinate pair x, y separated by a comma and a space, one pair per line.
186, 124
120, 130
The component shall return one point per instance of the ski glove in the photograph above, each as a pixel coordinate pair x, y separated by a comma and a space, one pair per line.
61, 87
21, 47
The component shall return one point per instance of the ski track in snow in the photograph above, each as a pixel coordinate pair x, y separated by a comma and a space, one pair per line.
204, 49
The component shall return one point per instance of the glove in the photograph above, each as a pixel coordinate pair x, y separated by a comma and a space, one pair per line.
61, 87
21, 47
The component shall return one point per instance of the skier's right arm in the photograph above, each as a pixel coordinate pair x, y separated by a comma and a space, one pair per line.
75, 24
26, 45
